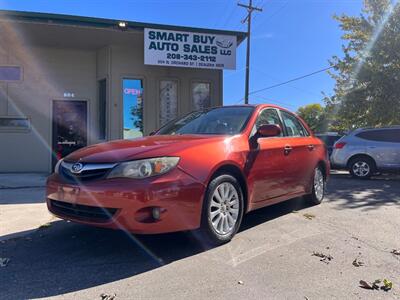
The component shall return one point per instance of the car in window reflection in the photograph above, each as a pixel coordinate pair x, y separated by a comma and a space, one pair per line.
366, 151
201, 172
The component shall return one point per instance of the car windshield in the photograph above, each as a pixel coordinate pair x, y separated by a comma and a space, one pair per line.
220, 121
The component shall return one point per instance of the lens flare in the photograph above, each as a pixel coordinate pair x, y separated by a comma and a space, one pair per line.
19, 49
365, 54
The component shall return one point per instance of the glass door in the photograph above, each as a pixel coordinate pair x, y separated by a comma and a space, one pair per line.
132, 108
69, 127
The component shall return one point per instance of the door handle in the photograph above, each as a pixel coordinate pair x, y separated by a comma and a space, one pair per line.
311, 147
287, 150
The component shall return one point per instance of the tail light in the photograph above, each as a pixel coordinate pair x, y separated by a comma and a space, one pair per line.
340, 145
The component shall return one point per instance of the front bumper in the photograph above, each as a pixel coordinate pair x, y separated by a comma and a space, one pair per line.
122, 203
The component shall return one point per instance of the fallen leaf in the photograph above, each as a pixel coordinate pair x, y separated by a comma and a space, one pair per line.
324, 258
105, 296
376, 283
4, 261
357, 263
365, 285
387, 285
308, 216
395, 252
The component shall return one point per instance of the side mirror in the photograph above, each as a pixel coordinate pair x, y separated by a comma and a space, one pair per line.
269, 130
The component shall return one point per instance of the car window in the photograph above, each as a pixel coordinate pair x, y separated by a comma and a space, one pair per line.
293, 125
381, 135
268, 116
220, 120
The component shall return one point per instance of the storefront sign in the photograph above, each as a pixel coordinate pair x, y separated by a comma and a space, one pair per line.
189, 49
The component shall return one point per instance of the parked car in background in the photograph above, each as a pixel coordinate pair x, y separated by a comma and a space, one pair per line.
329, 138
203, 171
366, 151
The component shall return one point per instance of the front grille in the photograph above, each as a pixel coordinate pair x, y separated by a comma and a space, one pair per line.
88, 173
83, 212
84, 176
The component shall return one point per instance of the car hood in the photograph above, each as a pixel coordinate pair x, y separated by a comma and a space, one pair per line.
152, 146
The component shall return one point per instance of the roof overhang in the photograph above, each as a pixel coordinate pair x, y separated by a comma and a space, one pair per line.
106, 24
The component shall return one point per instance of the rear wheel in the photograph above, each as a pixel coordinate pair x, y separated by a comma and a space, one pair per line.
222, 210
362, 167
318, 188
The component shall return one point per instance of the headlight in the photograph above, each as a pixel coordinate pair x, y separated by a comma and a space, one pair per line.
57, 167
144, 168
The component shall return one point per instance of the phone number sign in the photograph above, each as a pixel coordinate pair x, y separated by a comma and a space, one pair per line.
189, 49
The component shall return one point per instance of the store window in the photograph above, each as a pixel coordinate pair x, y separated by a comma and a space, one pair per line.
10, 73
168, 101
132, 108
201, 95
102, 85
14, 123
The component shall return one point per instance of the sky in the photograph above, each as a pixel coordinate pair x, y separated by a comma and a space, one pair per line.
290, 38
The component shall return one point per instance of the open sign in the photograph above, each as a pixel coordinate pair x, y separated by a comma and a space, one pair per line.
132, 91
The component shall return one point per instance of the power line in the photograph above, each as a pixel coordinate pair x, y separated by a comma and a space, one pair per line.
291, 80
276, 101
272, 15
278, 79
230, 15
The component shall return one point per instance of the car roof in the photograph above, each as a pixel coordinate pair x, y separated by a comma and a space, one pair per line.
258, 105
328, 134
373, 128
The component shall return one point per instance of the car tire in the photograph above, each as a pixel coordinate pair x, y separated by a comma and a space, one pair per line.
222, 212
362, 167
318, 186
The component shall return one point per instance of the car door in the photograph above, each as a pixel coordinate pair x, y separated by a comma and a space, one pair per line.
300, 159
266, 162
383, 145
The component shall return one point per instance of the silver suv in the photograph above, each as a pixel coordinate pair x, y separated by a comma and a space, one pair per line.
366, 151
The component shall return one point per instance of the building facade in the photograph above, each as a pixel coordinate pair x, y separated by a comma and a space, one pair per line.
67, 82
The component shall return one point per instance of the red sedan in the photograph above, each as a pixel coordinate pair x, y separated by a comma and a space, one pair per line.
201, 172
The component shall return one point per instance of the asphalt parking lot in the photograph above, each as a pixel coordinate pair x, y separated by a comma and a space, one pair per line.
270, 258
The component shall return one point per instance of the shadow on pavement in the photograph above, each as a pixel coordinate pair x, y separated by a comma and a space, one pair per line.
67, 257
349, 193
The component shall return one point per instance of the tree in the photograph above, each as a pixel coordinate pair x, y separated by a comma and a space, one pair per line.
314, 115
367, 90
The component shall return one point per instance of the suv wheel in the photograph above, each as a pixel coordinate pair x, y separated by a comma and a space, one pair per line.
362, 167
318, 188
222, 210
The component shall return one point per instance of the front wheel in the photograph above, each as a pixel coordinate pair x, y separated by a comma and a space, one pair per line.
222, 210
318, 188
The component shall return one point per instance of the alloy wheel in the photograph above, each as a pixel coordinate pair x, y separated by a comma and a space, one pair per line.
361, 169
224, 208
319, 184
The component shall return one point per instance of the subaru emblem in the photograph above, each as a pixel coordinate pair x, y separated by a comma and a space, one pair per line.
77, 167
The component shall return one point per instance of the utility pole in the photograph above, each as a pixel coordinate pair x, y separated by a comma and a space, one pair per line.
250, 8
